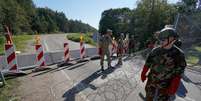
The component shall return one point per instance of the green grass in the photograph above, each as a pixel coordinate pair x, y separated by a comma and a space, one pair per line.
86, 37
192, 59
19, 41
193, 54
2, 40
198, 48
7, 91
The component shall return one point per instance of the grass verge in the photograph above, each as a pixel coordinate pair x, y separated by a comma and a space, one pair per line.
19, 41
76, 37
7, 91
191, 59
193, 54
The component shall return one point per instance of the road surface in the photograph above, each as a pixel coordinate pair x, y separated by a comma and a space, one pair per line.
54, 42
85, 82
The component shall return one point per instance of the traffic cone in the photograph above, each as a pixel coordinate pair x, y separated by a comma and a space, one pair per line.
10, 53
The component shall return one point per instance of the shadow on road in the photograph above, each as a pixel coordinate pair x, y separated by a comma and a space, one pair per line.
84, 84
71, 67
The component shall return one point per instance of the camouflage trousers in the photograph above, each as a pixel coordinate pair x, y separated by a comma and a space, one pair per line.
131, 50
154, 92
107, 53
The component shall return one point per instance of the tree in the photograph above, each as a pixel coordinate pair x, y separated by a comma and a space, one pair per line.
115, 19
21, 16
149, 17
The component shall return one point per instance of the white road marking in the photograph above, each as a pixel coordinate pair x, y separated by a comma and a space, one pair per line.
65, 75
45, 44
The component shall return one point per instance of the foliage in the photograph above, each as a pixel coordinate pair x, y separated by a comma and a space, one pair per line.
21, 16
86, 37
192, 59
6, 92
115, 19
19, 40
148, 17
2, 44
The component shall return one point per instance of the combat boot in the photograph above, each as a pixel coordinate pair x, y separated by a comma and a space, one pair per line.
120, 63
102, 68
109, 66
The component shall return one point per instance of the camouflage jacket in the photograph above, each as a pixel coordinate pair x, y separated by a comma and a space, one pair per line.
105, 41
165, 65
120, 43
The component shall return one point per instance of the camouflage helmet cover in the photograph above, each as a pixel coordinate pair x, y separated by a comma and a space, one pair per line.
167, 32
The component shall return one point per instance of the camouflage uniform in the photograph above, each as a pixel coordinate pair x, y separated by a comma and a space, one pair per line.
164, 65
131, 45
120, 48
104, 43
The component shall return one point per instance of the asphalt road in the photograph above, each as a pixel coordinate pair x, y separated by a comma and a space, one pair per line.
54, 42
120, 84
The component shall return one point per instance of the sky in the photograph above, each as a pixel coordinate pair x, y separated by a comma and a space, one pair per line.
88, 11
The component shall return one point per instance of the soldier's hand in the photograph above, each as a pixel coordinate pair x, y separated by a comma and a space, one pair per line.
143, 77
143, 74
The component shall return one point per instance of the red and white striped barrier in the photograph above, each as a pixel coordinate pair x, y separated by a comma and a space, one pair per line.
114, 48
66, 52
40, 56
82, 50
11, 58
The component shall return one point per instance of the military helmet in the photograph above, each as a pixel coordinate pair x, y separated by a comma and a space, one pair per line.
109, 30
121, 34
167, 32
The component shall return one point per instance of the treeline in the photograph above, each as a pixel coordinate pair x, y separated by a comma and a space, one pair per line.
148, 17
22, 17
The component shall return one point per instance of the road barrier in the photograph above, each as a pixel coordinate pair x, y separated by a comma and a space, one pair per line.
40, 61
10, 53
66, 52
28, 60
66, 56
82, 47
114, 47
82, 50
11, 57
40, 56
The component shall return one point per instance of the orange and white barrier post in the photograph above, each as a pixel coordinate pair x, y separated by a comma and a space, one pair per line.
82, 51
114, 47
11, 57
40, 60
82, 48
10, 53
40, 55
66, 52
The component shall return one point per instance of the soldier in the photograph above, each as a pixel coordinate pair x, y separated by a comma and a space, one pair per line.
120, 48
165, 64
131, 45
104, 43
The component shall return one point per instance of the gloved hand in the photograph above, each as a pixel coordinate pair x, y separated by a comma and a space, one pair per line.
172, 89
100, 51
143, 73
